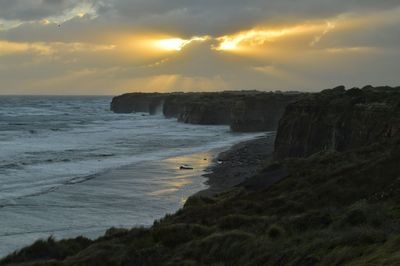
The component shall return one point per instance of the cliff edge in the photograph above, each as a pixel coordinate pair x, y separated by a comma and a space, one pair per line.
339, 120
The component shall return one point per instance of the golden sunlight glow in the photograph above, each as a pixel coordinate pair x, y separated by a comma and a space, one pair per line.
45, 22
258, 37
329, 27
172, 44
7, 48
252, 38
351, 50
177, 44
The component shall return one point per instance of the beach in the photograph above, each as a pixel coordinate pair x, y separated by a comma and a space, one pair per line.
234, 166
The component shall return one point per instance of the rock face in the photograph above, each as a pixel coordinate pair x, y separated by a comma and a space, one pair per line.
138, 102
244, 111
200, 108
260, 112
209, 108
173, 104
339, 120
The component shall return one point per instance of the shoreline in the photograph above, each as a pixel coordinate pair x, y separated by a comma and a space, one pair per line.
177, 185
223, 168
235, 165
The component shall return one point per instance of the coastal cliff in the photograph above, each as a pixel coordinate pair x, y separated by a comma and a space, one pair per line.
260, 112
138, 102
244, 111
201, 108
339, 120
331, 198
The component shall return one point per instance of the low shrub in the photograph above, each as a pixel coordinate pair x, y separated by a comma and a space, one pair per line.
275, 231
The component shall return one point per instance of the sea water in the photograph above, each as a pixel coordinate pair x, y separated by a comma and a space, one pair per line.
70, 167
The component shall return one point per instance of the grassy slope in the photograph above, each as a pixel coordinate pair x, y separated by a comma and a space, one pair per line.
333, 208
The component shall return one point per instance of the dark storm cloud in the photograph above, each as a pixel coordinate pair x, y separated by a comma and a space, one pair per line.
194, 17
221, 16
188, 18
180, 17
27, 10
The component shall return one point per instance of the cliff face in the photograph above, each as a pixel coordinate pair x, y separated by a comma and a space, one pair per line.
339, 120
173, 104
209, 108
199, 108
138, 102
260, 112
244, 111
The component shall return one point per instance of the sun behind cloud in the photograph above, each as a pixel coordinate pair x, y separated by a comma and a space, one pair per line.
177, 44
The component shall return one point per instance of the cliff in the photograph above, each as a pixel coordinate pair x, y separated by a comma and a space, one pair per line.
138, 102
244, 111
339, 120
260, 112
201, 108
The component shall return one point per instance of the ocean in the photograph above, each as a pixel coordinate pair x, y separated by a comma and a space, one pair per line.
70, 167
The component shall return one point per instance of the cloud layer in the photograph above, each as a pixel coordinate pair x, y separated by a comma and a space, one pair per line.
109, 47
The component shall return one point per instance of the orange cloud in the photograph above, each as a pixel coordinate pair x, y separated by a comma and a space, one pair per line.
7, 48
258, 37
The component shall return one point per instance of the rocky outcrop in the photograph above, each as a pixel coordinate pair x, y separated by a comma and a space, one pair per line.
244, 111
339, 120
138, 102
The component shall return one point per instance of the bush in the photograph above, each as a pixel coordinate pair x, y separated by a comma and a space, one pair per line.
355, 217
115, 232
275, 231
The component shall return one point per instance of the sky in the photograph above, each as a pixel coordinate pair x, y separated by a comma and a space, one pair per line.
110, 47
